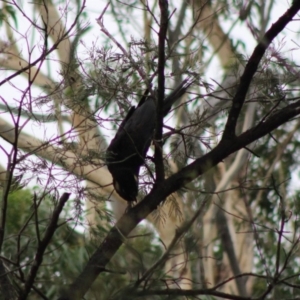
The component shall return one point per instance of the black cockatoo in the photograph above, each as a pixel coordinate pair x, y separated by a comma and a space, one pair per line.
127, 150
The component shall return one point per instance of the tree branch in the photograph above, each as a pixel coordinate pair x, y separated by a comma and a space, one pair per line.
43, 244
191, 293
49, 51
129, 220
251, 67
227, 242
158, 153
68, 159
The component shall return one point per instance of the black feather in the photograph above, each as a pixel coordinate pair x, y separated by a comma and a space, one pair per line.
127, 151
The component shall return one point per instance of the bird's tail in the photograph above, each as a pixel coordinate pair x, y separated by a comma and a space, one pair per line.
179, 91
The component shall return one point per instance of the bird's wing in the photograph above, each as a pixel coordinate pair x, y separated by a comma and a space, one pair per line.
179, 91
128, 116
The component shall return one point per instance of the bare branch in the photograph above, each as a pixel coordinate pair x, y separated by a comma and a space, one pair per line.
42, 244
251, 67
158, 153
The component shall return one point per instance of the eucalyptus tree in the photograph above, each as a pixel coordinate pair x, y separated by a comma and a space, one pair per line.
219, 182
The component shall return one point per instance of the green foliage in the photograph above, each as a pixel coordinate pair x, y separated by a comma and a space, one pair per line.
8, 11
69, 250
65, 255
128, 265
108, 82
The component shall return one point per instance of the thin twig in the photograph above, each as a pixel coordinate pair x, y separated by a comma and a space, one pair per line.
38, 258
